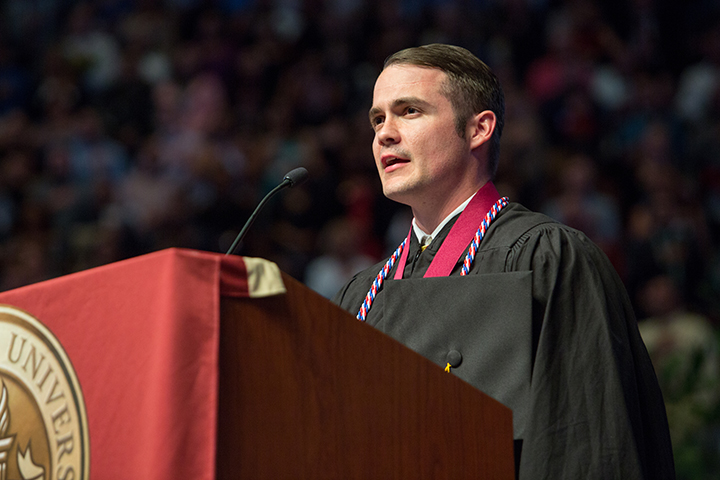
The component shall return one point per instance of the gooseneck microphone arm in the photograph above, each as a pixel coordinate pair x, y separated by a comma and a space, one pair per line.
291, 179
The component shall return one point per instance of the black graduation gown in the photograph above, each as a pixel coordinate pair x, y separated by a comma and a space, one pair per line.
544, 325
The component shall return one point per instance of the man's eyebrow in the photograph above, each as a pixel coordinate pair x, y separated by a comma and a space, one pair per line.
399, 102
374, 111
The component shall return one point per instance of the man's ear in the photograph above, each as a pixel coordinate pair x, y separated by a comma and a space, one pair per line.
480, 128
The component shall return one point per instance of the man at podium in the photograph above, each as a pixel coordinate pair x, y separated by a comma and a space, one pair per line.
522, 307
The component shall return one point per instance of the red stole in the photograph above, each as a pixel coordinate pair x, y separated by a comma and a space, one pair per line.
459, 237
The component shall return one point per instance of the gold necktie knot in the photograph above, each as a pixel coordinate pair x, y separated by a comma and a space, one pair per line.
426, 241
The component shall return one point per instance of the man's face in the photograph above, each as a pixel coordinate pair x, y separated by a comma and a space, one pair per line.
419, 155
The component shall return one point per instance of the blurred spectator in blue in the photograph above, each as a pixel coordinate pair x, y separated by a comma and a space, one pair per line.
579, 204
92, 50
341, 257
667, 231
699, 84
15, 81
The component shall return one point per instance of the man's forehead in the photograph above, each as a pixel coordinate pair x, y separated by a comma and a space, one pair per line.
399, 80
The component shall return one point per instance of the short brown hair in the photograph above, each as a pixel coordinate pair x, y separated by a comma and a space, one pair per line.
471, 87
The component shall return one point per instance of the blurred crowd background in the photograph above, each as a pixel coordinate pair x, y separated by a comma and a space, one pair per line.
130, 126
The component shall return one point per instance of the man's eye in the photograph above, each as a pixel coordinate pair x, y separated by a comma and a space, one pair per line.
411, 111
376, 121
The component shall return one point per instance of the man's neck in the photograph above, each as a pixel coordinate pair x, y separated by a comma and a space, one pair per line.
429, 215
420, 233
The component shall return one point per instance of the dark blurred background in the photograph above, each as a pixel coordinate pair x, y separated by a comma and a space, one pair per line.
130, 126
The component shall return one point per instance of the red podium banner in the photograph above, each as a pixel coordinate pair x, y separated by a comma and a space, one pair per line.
147, 368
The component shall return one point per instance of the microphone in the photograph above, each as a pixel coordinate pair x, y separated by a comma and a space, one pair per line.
296, 176
291, 179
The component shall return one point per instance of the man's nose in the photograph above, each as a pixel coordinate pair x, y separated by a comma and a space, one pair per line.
387, 133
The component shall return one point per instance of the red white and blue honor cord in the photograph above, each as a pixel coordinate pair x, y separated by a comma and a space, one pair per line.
470, 257
467, 263
377, 284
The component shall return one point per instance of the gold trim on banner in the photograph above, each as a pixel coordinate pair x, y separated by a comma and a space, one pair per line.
264, 278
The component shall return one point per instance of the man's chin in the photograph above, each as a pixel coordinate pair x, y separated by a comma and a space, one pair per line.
399, 195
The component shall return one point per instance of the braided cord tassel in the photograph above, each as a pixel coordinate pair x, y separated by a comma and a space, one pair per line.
470, 257
377, 284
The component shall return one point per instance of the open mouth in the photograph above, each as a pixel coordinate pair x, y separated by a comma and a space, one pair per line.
391, 160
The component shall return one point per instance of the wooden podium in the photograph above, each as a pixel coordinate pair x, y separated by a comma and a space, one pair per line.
187, 373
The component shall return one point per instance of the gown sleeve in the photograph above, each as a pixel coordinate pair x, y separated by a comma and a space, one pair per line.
596, 408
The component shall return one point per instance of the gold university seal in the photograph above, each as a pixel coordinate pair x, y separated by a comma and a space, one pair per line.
43, 422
